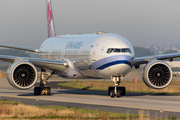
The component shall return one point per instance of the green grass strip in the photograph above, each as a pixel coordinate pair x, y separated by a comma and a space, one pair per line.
73, 84
77, 85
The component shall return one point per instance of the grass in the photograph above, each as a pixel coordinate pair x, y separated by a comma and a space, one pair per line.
5, 101
131, 86
17, 110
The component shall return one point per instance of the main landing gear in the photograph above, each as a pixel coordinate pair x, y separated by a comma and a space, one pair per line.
116, 91
42, 89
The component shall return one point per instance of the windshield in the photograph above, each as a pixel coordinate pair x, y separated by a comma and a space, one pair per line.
117, 50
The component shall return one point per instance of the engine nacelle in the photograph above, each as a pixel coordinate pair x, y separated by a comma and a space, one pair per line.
157, 74
22, 74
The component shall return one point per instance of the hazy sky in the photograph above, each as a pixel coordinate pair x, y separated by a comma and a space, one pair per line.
142, 22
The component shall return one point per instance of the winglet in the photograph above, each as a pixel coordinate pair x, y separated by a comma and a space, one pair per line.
50, 20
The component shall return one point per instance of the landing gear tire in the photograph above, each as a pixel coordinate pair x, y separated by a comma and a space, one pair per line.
112, 94
47, 91
40, 90
118, 93
109, 89
123, 90
37, 91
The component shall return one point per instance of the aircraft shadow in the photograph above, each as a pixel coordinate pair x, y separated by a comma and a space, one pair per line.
91, 92
86, 91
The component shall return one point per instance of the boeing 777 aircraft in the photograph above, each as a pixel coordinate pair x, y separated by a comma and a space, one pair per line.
100, 55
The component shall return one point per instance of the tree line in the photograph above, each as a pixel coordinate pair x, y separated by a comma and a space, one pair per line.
141, 51
14, 52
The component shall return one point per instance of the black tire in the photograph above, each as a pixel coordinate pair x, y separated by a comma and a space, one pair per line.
118, 93
123, 90
48, 91
112, 94
109, 89
37, 90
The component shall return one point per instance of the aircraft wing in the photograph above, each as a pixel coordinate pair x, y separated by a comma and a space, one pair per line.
55, 65
21, 48
143, 60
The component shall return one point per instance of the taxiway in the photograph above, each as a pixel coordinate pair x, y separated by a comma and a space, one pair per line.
131, 103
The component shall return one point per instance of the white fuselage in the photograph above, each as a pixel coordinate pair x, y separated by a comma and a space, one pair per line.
91, 55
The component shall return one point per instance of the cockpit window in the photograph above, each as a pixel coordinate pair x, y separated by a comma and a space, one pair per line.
124, 50
117, 50
108, 51
111, 50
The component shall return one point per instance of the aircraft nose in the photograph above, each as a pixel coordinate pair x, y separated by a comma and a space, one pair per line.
116, 70
113, 65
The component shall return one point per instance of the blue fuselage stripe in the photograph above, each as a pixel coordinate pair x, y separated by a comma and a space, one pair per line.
112, 60
114, 63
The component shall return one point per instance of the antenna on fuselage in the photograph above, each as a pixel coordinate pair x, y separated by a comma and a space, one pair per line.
50, 20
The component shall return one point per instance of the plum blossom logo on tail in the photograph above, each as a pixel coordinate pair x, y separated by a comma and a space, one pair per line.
50, 25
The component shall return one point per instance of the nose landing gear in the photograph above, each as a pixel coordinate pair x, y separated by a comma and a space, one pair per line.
116, 91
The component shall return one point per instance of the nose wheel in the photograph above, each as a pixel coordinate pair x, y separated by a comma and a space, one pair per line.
116, 90
120, 91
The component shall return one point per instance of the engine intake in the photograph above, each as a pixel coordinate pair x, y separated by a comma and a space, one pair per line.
22, 74
157, 74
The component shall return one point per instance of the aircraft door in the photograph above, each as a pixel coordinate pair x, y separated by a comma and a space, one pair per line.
63, 52
50, 51
94, 52
95, 49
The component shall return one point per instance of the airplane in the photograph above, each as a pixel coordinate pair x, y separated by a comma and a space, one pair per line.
83, 56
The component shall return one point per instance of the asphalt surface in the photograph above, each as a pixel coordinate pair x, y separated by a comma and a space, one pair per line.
131, 103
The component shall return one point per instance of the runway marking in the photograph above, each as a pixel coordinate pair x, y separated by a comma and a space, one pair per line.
87, 103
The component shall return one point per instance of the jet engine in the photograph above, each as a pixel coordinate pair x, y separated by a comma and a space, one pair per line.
22, 74
157, 74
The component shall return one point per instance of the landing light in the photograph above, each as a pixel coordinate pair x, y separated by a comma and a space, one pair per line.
66, 65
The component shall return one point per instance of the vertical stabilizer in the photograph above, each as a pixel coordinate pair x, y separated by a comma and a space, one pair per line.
50, 20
